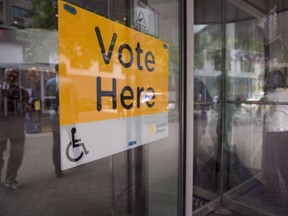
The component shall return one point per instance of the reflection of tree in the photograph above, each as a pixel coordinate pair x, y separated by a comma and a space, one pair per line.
173, 57
41, 37
42, 44
207, 39
44, 14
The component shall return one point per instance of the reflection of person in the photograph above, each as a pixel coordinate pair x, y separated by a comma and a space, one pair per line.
53, 104
203, 101
204, 149
13, 102
276, 135
68, 109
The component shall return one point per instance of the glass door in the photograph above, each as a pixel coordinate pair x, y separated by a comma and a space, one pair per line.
256, 106
240, 106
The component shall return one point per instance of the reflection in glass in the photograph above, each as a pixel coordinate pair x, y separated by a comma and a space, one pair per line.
256, 105
14, 106
123, 184
207, 107
52, 91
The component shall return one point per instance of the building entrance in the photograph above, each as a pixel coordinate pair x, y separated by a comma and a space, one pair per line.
240, 104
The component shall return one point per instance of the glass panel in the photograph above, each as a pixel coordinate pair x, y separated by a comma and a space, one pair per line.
207, 106
244, 65
256, 104
140, 181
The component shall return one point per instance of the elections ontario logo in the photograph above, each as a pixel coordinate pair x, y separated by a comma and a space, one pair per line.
158, 129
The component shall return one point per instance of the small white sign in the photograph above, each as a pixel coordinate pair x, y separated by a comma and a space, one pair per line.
146, 19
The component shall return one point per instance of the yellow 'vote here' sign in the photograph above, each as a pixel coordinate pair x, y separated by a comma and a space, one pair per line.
108, 72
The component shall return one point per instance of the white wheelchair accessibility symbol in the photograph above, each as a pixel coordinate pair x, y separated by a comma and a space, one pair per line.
75, 143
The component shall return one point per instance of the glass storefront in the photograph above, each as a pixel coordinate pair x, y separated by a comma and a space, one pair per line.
94, 119
46, 58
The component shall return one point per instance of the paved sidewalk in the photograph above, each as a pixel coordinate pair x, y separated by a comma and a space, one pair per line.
85, 191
